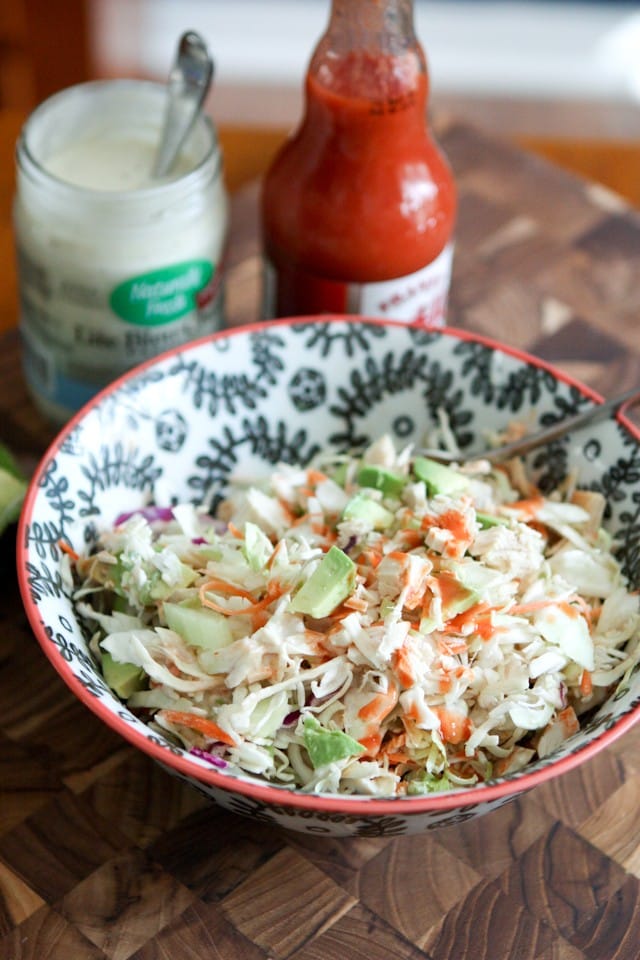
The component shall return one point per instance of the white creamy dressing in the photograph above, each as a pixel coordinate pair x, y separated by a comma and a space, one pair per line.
112, 163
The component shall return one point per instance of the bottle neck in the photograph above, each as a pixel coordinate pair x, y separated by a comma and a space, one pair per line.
382, 25
370, 51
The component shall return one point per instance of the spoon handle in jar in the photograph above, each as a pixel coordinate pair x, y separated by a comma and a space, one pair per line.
189, 83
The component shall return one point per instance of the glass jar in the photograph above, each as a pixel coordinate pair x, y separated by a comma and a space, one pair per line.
113, 266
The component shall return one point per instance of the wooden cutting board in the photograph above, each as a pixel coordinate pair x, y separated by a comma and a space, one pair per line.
103, 855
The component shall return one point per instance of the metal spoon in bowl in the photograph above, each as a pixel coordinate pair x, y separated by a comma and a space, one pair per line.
595, 414
189, 82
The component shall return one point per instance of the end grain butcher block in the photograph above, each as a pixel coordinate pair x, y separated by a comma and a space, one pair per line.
103, 855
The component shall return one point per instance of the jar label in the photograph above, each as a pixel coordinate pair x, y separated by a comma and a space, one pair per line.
418, 298
158, 297
82, 329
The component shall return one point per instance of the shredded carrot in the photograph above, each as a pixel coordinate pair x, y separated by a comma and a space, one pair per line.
357, 603
477, 618
370, 558
233, 530
221, 586
66, 548
566, 606
586, 684
277, 549
451, 646
520, 608
380, 706
207, 727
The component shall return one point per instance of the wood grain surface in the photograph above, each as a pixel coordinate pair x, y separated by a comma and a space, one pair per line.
104, 855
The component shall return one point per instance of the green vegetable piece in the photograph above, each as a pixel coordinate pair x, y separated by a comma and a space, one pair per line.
123, 678
362, 507
379, 478
198, 626
486, 520
8, 462
257, 547
329, 584
12, 491
428, 783
328, 746
339, 474
437, 477
456, 597
156, 588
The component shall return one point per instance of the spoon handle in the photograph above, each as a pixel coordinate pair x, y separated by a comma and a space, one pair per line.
595, 414
189, 82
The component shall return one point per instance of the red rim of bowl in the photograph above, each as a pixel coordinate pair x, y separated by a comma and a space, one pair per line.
281, 796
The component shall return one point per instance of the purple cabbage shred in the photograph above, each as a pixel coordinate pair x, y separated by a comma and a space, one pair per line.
209, 757
150, 513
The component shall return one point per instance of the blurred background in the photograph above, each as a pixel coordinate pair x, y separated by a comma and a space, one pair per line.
559, 77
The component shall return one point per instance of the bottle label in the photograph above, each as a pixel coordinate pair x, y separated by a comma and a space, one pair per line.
80, 332
417, 298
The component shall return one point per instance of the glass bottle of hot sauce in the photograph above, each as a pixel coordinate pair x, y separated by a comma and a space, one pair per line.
358, 207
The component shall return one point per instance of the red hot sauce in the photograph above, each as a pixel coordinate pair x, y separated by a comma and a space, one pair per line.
358, 208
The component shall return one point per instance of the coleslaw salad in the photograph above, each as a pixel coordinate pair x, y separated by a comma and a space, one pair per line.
372, 625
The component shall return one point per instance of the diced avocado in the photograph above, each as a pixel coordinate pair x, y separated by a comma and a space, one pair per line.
437, 477
328, 746
456, 599
198, 626
123, 678
486, 520
379, 478
257, 546
473, 575
456, 596
339, 474
329, 584
362, 507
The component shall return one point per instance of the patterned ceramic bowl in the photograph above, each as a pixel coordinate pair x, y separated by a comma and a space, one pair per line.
177, 427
